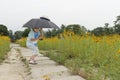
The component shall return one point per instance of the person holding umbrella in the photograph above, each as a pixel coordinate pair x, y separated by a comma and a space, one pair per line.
34, 35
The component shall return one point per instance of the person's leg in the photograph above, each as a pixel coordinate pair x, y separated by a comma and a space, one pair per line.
33, 57
35, 53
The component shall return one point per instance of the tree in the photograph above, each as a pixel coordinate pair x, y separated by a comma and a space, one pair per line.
77, 29
61, 30
117, 21
18, 34
10, 33
3, 30
63, 27
12, 37
55, 32
25, 32
106, 29
99, 31
117, 28
48, 34
106, 25
111, 30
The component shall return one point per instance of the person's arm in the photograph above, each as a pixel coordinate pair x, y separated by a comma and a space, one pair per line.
33, 39
41, 34
30, 36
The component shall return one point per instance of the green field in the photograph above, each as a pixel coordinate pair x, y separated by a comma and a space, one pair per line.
94, 58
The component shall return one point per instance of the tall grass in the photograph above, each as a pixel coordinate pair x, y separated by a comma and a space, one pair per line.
4, 47
94, 58
22, 42
85, 55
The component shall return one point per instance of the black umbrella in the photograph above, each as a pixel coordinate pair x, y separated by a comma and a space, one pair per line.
40, 23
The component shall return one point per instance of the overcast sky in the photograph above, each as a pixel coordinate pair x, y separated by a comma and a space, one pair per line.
88, 13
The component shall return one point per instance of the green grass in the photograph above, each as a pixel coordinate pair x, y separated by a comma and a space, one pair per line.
100, 60
4, 48
94, 58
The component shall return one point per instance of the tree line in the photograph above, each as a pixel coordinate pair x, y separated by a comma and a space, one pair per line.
75, 28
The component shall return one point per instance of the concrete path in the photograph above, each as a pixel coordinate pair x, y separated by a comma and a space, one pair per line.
13, 68
46, 69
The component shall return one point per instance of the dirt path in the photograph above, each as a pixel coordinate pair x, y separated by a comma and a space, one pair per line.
13, 68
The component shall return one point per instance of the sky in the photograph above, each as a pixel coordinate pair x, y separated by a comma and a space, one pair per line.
89, 13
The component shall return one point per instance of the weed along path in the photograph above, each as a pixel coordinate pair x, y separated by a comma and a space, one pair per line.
13, 68
16, 67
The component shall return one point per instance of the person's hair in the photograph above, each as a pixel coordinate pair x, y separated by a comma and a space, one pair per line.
35, 28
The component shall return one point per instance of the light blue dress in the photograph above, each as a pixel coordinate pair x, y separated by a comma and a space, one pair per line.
33, 44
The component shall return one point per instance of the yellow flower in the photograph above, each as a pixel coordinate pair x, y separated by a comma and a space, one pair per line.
5, 38
46, 77
119, 51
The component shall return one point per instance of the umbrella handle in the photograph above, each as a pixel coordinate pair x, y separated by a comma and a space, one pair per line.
41, 35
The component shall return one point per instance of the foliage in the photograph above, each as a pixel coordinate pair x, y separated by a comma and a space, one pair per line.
98, 56
12, 37
106, 30
75, 28
22, 42
94, 58
3, 30
117, 28
18, 34
117, 21
4, 47
25, 32
99, 31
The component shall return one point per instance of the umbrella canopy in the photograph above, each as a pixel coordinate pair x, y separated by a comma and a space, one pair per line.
40, 23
